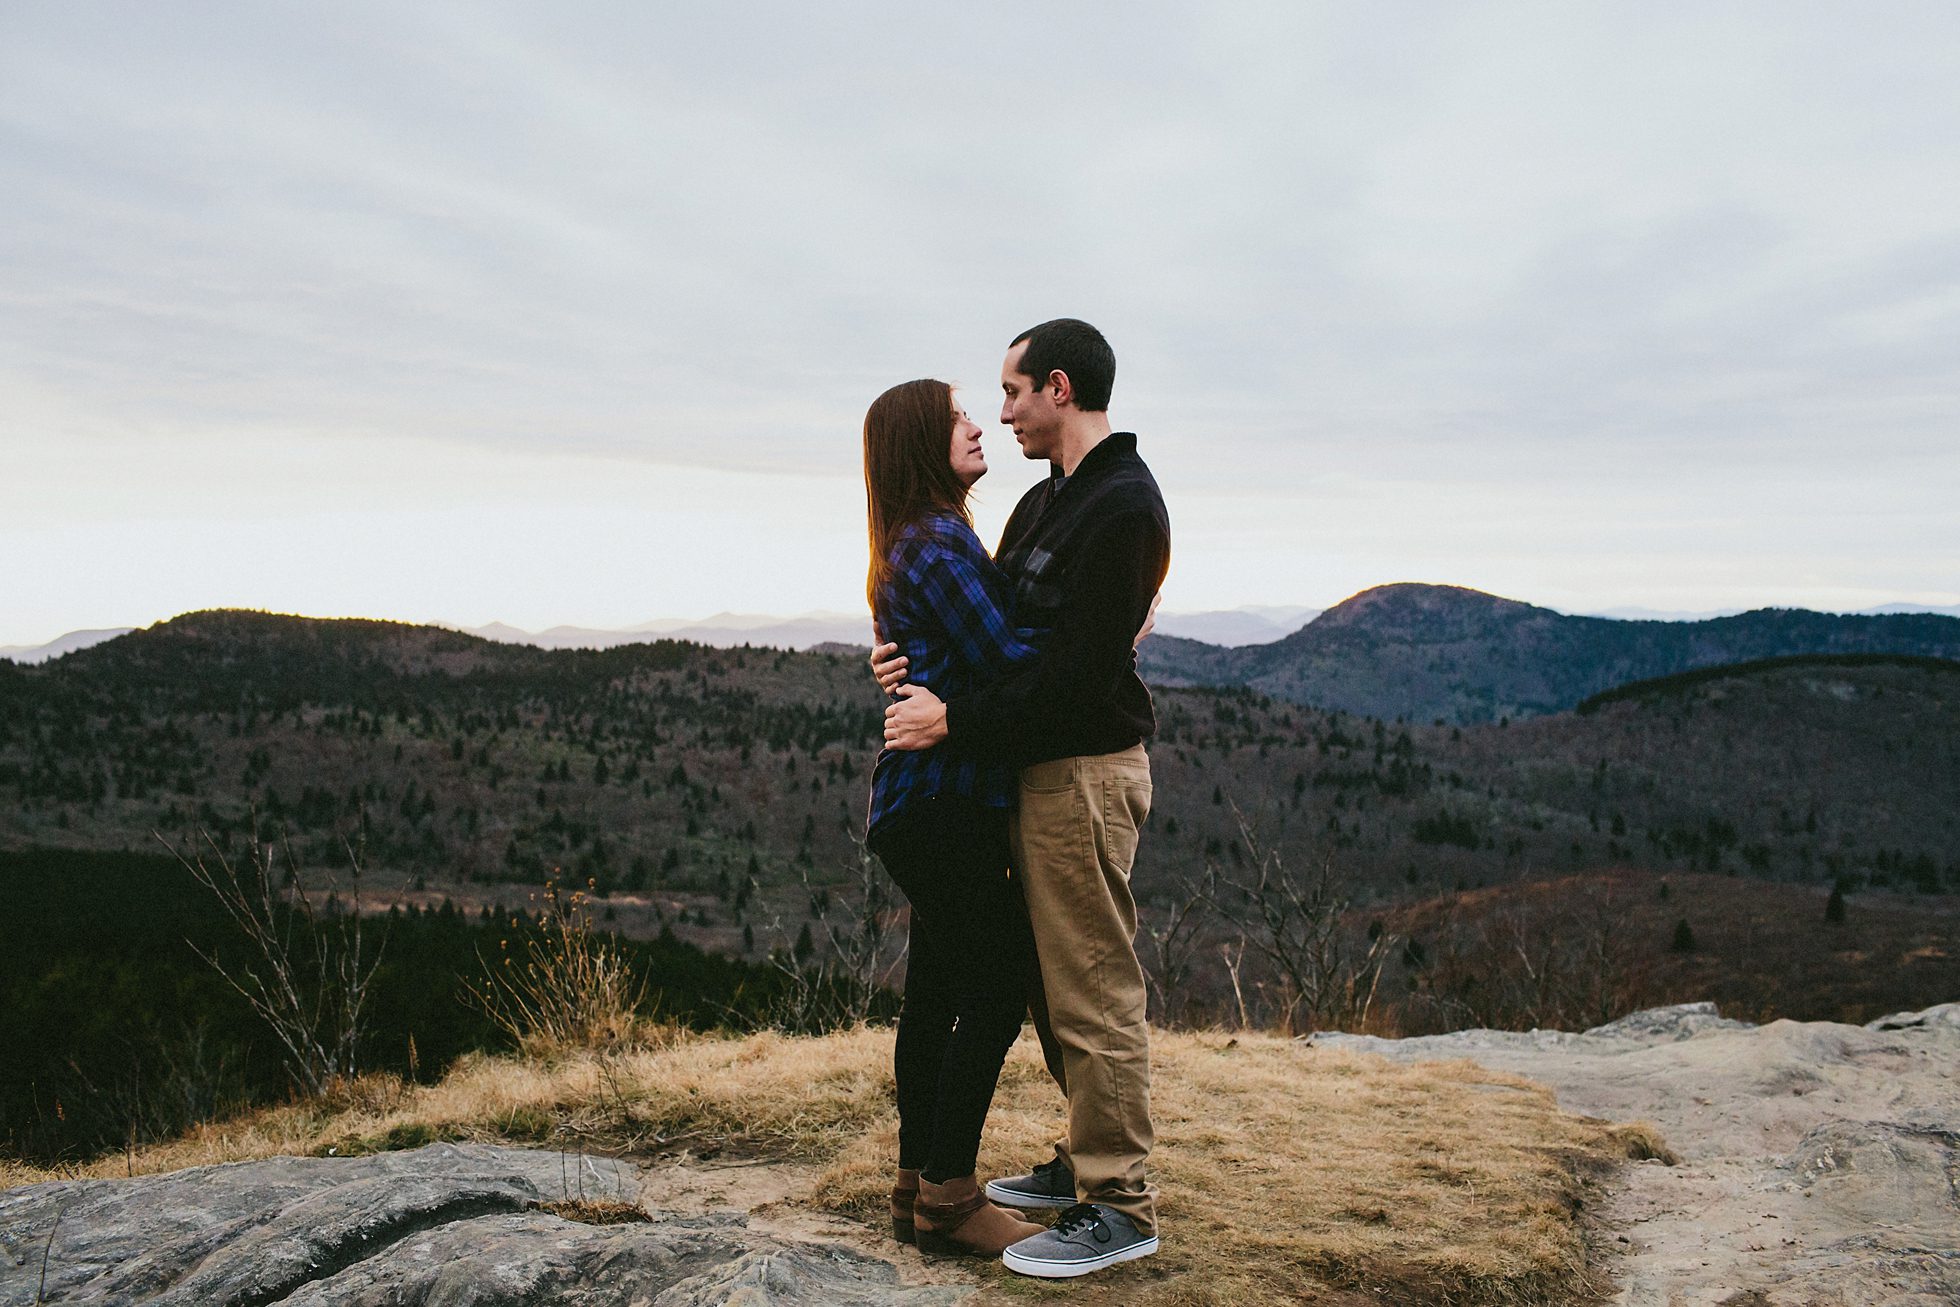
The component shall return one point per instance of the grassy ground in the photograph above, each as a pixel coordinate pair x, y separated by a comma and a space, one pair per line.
1287, 1172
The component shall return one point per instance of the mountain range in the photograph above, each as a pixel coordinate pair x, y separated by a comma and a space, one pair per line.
1433, 652
1232, 628
61, 644
1252, 624
1406, 651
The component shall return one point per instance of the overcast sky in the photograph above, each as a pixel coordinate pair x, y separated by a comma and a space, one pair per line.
571, 313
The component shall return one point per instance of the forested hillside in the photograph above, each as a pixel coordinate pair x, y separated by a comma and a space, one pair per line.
703, 787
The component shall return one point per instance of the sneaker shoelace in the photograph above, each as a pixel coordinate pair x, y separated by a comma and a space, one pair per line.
1078, 1218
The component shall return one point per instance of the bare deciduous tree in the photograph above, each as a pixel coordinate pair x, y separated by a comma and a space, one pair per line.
307, 971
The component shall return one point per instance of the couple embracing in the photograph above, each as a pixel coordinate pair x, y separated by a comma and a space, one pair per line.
1009, 796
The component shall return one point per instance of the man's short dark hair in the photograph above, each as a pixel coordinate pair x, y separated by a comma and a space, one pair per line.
1076, 349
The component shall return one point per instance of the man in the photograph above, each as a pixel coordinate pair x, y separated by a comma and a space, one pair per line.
1086, 551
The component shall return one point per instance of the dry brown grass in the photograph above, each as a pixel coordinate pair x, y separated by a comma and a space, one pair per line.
562, 986
1287, 1172
596, 1211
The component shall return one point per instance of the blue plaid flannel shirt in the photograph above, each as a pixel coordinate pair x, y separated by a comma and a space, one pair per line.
946, 606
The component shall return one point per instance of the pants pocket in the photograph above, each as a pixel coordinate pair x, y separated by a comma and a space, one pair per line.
1125, 807
1051, 778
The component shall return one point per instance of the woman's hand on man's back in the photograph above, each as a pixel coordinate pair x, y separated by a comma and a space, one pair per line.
1149, 620
889, 666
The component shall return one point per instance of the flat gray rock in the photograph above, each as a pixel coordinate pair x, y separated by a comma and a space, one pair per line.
1660, 1025
450, 1225
1819, 1161
1945, 1014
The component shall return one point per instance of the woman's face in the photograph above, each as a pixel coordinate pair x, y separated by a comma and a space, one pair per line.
969, 463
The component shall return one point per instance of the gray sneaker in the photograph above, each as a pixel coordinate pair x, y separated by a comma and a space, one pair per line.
1087, 1237
1051, 1184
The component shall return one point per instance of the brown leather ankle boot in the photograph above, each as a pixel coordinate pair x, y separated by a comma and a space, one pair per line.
955, 1218
905, 1192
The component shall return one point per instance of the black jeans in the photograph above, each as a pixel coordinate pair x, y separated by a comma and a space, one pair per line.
965, 978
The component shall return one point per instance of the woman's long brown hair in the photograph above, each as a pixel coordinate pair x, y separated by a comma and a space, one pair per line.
908, 467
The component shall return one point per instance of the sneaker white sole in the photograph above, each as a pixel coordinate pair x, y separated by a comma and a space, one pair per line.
1057, 1270
1021, 1198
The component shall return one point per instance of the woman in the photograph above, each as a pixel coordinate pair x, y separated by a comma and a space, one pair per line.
939, 822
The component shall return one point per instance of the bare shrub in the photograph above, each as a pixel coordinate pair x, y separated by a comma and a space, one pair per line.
1173, 939
856, 950
1567, 963
554, 985
1295, 924
308, 971
177, 1077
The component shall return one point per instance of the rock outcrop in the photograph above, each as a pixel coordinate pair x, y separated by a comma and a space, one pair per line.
445, 1224
1819, 1163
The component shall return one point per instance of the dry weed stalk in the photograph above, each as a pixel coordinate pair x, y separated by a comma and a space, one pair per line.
47, 1249
1234, 963
309, 976
554, 986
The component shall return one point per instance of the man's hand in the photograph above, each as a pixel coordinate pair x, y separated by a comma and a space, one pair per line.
889, 667
1149, 620
916, 721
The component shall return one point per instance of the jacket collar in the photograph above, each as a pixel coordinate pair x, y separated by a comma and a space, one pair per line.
1116, 445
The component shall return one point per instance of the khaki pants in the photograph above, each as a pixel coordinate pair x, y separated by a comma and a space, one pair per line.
1074, 838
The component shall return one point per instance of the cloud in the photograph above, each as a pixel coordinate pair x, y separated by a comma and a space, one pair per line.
1642, 254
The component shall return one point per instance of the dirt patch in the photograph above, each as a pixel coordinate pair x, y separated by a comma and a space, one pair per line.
778, 1197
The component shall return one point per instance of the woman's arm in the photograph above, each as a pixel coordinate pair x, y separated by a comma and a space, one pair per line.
888, 665
971, 606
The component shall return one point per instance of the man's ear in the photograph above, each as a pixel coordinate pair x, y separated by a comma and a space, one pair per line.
1060, 388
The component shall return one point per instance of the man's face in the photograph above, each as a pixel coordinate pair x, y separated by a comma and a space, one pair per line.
1028, 406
